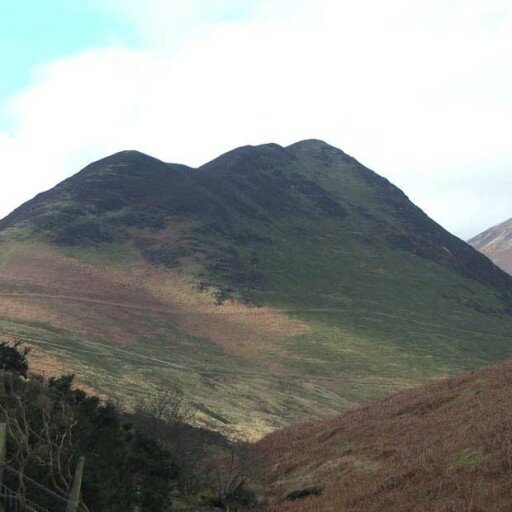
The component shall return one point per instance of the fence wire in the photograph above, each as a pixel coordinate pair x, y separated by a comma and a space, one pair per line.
11, 501
20, 493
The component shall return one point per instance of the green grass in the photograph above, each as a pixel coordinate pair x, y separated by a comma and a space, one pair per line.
375, 312
245, 398
467, 459
117, 254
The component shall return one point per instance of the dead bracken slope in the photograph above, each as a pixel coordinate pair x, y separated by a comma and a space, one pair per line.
443, 447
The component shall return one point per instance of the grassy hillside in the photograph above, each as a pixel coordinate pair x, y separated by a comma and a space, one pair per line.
446, 446
496, 244
272, 283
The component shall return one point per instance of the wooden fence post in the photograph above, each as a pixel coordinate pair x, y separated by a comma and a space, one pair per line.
3, 441
74, 495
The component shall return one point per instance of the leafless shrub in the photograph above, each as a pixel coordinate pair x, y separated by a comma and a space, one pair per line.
164, 412
40, 427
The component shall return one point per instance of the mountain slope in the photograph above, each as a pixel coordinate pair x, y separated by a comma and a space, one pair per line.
445, 446
271, 283
496, 243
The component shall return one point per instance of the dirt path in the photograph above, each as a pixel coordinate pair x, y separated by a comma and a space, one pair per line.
88, 300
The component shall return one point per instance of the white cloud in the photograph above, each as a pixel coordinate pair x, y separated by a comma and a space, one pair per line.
420, 94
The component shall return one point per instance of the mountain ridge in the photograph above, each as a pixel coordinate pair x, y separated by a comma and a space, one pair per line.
240, 160
496, 243
276, 265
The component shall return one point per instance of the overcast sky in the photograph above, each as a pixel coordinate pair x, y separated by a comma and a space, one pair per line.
418, 90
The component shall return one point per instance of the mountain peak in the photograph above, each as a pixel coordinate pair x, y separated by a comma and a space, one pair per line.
128, 154
309, 144
125, 157
319, 150
313, 145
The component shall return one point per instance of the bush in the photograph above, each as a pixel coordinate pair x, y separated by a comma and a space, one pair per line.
85, 231
13, 359
304, 493
50, 425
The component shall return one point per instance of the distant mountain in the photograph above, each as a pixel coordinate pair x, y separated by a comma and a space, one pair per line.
439, 447
272, 284
496, 243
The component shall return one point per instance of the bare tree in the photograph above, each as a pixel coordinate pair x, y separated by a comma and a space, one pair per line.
162, 412
229, 473
40, 428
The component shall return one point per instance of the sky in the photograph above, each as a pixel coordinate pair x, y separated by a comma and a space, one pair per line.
418, 90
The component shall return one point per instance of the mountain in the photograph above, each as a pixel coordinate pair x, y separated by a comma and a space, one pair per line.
446, 446
496, 243
271, 284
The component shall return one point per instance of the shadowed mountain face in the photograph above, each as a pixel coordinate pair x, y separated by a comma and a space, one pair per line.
496, 243
273, 283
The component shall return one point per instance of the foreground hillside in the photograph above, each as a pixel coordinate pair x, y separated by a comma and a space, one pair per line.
496, 243
443, 447
271, 284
